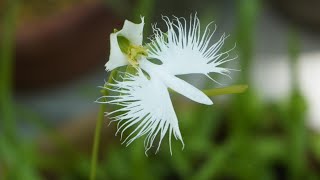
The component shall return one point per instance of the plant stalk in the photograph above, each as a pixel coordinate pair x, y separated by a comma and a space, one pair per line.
97, 133
235, 89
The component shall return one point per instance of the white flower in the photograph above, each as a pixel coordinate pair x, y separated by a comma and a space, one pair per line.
134, 33
145, 101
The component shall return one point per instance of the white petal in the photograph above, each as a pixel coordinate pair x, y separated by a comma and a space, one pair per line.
176, 84
185, 89
116, 58
183, 49
134, 33
146, 106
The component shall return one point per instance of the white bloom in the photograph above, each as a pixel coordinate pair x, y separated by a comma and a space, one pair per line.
134, 33
145, 101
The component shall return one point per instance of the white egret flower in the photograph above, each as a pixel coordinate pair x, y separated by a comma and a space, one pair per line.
144, 97
133, 33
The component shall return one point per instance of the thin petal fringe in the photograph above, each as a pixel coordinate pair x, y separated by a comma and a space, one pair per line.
183, 49
145, 105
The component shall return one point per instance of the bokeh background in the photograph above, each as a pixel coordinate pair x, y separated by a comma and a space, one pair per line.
52, 60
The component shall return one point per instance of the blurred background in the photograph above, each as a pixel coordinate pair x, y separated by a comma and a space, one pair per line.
52, 57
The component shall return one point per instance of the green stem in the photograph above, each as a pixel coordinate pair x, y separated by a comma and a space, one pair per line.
294, 48
248, 11
97, 142
144, 8
296, 113
97, 134
6, 66
226, 90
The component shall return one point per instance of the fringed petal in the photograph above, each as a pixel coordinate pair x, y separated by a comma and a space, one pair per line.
183, 49
146, 108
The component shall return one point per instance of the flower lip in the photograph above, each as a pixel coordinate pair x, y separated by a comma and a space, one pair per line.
132, 32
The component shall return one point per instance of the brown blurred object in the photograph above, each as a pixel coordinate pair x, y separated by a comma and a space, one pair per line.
34, 10
304, 12
61, 47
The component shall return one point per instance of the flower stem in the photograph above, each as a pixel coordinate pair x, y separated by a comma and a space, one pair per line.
97, 133
7, 46
226, 90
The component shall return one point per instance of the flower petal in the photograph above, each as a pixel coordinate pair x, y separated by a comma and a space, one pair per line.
146, 106
176, 84
116, 58
185, 89
134, 33
183, 50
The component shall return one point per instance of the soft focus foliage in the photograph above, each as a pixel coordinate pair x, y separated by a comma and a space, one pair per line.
240, 137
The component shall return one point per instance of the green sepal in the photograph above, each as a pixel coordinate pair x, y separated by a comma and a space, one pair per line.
124, 44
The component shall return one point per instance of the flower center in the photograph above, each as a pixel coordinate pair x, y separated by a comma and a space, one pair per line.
134, 53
